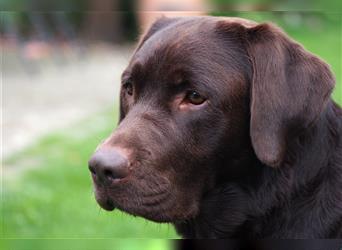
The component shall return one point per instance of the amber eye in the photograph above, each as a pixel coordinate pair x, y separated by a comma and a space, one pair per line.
128, 87
195, 98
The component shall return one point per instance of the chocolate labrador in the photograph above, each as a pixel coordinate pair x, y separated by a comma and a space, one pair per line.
227, 129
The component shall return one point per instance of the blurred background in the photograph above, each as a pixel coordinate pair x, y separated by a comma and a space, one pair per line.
60, 71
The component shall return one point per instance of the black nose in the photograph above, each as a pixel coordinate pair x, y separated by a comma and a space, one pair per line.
107, 165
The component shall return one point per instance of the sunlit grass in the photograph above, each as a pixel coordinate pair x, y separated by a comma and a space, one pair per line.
54, 198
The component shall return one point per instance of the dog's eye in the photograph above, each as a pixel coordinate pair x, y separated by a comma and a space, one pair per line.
128, 86
195, 98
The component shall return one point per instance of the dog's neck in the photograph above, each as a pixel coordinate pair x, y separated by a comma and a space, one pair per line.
236, 208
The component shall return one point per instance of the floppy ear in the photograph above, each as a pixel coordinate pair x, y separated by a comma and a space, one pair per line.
290, 88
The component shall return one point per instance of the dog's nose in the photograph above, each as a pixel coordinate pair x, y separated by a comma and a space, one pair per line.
108, 165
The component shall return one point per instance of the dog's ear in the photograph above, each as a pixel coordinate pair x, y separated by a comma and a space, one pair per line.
290, 88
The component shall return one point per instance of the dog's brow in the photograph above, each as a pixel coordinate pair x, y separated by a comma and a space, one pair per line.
125, 75
179, 78
179, 82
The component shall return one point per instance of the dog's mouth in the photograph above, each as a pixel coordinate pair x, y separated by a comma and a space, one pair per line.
103, 198
105, 203
156, 201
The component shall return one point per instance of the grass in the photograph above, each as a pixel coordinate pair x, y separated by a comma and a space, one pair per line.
47, 192
54, 198
82, 244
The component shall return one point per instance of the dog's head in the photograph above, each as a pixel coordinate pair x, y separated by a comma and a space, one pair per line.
198, 97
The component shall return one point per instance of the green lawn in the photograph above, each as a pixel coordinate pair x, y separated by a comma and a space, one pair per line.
52, 198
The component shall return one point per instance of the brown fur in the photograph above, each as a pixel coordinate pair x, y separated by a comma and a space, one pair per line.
261, 157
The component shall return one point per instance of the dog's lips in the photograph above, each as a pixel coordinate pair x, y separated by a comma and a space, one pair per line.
104, 200
106, 204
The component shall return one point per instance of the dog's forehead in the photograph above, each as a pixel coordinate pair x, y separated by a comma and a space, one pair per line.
244, 22
186, 46
176, 37
170, 50
184, 36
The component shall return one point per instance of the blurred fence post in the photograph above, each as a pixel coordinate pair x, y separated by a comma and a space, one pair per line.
104, 22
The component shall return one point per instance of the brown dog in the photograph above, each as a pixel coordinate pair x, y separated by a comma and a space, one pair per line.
226, 129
